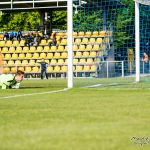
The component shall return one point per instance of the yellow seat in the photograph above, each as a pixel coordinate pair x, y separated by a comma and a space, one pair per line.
64, 69
4, 62
12, 49
14, 56
19, 49
75, 61
6, 70
78, 54
21, 68
61, 34
28, 55
8, 43
89, 47
43, 42
32, 62
50, 40
3, 56
7, 56
22, 43
28, 69
13, 69
86, 68
17, 62
57, 69
36, 55
92, 54
83, 61
75, 34
82, 47
88, 33
93, 68
10, 63
60, 48
22, 56
102, 33
81, 34
46, 48
49, 55
60, 61
75, 47
63, 42
85, 40
53, 61
5, 49
77, 41
90, 61
49, 69
79, 68
64, 55
95, 33
2, 43
92, 40
25, 49
56, 55
15, 43
1, 36
25, 62
43, 55
66, 61
35, 69
85, 54
96, 47
39, 48
53, 48
99, 40
32, 49
66, 48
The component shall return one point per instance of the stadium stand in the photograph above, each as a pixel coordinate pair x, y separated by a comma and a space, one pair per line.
88, 47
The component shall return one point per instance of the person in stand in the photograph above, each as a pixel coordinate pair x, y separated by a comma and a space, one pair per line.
10, 81
146, 62
43, 69
53, 41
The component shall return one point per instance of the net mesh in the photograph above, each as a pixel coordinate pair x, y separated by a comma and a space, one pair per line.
116, 60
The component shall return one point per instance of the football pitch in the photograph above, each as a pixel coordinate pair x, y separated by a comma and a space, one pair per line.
44, 115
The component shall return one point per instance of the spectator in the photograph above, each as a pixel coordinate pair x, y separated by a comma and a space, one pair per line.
11, 35
37, 40
43, 68
54, 41
19, 35
146, 62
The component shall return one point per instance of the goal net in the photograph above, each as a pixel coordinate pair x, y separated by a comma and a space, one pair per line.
109, 30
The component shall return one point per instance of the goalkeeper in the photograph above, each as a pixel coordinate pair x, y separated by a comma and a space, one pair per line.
10, 81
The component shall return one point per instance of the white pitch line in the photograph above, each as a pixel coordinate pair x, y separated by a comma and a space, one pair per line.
32, 94
96, 85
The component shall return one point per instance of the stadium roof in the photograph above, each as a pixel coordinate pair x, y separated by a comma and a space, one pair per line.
8, 5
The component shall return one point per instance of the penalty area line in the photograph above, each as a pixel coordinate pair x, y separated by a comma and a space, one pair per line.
32, 94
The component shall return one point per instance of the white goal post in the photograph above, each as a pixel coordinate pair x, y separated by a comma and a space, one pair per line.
137, 35
70, 42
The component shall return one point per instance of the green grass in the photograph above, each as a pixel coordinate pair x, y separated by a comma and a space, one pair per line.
103, 118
